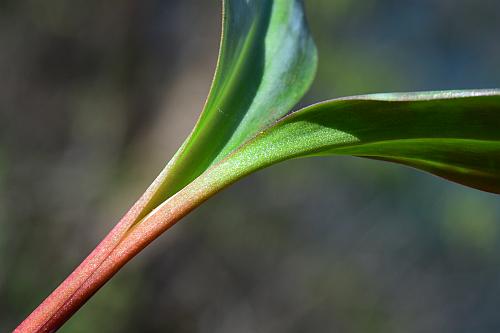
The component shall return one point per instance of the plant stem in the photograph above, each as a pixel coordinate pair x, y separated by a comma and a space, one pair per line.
124, 241
133, 233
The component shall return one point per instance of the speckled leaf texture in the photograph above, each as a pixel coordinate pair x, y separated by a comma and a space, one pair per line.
452, 134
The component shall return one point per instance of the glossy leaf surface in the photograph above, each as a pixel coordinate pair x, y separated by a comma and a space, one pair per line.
266, 63
455, 135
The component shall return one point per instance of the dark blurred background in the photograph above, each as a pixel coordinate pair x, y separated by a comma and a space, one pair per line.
95, 96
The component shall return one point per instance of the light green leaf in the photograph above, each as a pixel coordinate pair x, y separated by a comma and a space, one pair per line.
455, 135
266, 63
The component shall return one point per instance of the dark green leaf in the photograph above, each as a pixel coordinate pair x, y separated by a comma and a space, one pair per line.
267, 61
455, 135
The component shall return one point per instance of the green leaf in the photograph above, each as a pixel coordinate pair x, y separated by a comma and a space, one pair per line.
266, 63
455, 135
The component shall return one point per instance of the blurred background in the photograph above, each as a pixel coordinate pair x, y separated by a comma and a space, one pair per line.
95, 96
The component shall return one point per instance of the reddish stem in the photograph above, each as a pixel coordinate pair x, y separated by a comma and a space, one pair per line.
123, 242
70, 285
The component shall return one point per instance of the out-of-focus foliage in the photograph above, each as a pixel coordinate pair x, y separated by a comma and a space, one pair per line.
86, 99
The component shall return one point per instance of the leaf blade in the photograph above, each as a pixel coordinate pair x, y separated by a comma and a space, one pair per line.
455, 135
267, 61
